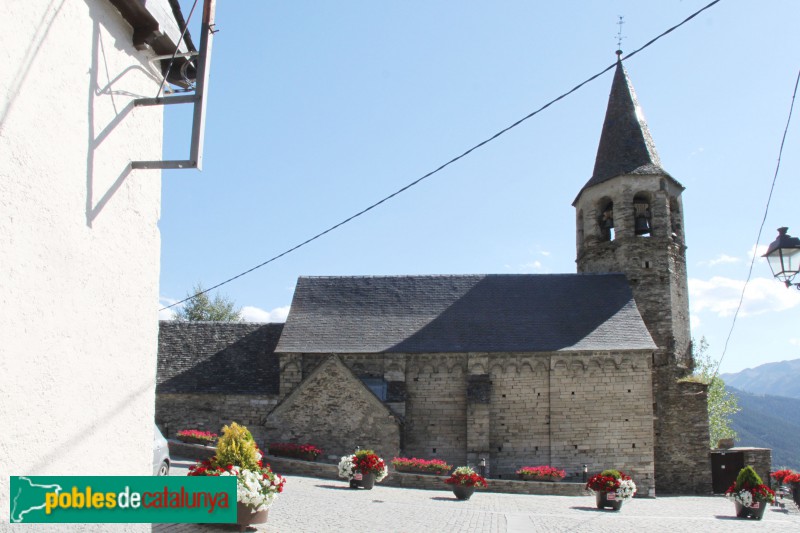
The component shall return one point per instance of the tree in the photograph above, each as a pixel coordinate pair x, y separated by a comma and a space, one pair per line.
202, 308
722, 404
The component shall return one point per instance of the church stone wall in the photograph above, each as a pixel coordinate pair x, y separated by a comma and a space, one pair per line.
601, 415
436, 407
520, 413
333, 410
209, 412
682, 455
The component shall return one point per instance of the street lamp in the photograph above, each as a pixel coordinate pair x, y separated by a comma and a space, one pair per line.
783, 256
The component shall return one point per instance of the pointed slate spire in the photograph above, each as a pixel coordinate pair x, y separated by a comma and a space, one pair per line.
626, 146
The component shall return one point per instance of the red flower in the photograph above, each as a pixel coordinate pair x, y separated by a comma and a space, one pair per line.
794, 477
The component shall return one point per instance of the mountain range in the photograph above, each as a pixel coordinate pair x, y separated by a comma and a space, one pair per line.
769, 398
777, 379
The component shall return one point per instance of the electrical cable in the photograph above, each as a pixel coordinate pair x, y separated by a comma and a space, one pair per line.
761, 228
450, 162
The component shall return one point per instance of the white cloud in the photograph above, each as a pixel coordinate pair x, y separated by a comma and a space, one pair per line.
533, 266
721, 260
694, 321
545, 253
760, 250
166, 314
721, 296
794, 342
699, 150
256, 314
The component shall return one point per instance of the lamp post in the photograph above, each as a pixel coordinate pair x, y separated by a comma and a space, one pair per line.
783, 256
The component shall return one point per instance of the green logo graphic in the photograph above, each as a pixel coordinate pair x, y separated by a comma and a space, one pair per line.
122, 499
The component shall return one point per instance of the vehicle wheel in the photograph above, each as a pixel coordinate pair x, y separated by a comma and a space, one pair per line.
163, 470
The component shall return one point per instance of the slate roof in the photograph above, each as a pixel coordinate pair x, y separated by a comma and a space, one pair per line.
469, 313
626, 146
218, 357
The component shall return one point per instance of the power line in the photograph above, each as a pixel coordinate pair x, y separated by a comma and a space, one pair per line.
761, 228
450, 162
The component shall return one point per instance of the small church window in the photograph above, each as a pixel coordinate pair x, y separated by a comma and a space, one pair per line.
377, 386
606, 222
642, 217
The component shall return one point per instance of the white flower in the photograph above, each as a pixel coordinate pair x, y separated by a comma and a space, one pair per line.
347, 468
253, 489
744, 497
626, 490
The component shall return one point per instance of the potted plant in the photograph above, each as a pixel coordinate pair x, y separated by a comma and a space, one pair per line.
306, 452
195, 436
540, 473
257, 485
363, 469
421, 466
749, 494
793, 479
464, 481
611, 488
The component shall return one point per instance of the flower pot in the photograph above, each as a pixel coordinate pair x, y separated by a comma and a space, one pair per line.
752, 511
607, 499
247, 516
463, 492
365, 481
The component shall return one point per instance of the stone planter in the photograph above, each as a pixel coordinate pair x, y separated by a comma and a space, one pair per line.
194, 440
299, 455
755, 511
364, 481
607, 500
528, 477
411, 470
463, 492
246, 516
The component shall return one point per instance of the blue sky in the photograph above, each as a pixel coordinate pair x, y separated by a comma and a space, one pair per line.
318, 109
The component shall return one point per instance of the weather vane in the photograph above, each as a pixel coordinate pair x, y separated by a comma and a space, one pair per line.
619, 35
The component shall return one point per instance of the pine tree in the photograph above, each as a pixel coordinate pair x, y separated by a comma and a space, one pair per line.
202, 308
722, 405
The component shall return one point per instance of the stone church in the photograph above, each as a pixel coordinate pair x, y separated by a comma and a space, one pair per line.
520, 370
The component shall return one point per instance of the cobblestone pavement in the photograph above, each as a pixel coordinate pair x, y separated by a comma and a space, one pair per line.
321, 505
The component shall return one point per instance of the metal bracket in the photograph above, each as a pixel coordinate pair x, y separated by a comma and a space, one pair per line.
198, 99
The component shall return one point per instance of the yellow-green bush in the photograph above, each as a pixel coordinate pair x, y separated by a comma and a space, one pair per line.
237, 447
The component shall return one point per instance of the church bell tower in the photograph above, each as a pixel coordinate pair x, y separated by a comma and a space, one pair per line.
629, 219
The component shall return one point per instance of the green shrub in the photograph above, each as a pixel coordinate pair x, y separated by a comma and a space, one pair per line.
612, 473
237, 447
747, 478
364, 453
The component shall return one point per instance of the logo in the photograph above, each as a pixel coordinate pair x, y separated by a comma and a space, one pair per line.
122, 499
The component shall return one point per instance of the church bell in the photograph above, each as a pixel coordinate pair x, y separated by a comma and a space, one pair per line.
641, 219
642, 226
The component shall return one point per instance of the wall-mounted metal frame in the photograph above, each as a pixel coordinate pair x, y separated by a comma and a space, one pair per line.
198, 98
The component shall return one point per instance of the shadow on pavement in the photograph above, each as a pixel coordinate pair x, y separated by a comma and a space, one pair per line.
334, 487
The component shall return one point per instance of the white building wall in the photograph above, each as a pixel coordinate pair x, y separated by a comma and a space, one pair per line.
79, 245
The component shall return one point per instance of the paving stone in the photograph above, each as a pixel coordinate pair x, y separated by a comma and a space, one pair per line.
320, 505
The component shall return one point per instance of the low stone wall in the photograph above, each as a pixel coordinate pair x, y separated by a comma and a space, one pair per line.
288, 467
198, 452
